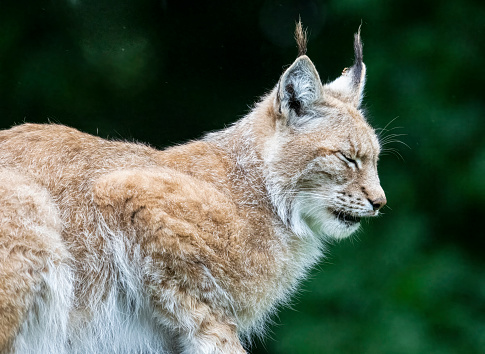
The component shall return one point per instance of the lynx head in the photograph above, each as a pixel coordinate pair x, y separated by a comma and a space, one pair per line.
321, 158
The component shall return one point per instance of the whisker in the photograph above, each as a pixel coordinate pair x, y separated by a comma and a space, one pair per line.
380, 130
390, 122
390, 141
390, 136
393, 152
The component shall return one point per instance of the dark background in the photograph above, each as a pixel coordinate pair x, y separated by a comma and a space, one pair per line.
164, 72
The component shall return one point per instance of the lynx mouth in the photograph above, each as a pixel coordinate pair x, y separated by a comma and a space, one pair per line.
346, 218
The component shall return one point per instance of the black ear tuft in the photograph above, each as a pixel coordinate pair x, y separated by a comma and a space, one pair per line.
350, 85
301, 38
358, 60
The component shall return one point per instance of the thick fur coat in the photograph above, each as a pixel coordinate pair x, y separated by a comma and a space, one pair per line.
109, 246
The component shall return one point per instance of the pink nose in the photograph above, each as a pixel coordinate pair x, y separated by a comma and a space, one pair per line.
378, 203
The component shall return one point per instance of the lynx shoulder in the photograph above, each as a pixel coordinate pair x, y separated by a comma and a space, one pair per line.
116, 247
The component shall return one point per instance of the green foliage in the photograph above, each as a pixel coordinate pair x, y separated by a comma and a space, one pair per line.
166, 71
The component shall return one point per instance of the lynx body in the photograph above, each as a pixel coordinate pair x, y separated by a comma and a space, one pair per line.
117, 247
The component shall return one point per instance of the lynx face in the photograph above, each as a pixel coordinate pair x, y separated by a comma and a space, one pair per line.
323, 154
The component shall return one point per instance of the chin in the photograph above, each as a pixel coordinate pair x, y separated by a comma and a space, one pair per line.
335, 228
338, 224
324, 223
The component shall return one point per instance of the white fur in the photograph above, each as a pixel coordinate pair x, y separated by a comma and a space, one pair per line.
45, 328
119, 326
345, 86
310, 216
124, 321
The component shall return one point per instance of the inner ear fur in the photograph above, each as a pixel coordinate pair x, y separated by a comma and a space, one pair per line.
299, 87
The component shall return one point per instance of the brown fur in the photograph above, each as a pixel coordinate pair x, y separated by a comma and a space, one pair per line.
198, 223
301, 38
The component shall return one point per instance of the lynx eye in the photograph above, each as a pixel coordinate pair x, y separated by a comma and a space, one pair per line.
348, 160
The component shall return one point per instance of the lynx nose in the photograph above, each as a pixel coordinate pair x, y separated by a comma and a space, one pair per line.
378, 203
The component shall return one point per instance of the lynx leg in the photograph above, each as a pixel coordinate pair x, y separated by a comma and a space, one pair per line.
35, 281
182, 282
201, 331
187, 300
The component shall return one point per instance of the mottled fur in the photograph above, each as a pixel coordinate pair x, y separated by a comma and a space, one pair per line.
116, 247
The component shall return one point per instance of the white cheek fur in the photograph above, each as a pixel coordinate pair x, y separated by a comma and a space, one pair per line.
310, 217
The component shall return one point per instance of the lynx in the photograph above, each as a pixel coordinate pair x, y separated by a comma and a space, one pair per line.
116, 247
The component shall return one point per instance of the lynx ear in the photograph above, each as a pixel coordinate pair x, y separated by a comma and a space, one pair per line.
350, 85
298, 88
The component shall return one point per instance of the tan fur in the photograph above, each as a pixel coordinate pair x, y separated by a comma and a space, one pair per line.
198, 242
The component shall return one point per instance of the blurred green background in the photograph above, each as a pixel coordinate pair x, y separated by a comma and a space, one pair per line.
164, 72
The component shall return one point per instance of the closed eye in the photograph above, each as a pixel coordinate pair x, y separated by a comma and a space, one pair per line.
348, 160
